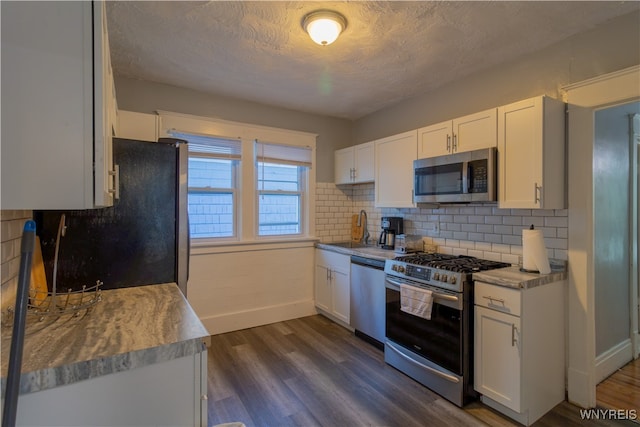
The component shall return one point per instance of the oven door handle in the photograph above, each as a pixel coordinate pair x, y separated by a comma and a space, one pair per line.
437, 372
434, 294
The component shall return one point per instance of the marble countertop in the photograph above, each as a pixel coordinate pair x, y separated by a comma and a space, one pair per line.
512, 277
128, 328
372, 251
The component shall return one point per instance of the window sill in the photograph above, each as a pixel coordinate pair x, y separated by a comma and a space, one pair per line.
202, 248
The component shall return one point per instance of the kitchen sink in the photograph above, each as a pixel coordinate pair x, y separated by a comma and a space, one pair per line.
352, 245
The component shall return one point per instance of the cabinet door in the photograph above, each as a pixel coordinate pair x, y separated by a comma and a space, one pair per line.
48, 130
364, 162
435, 140
340, 282
105, 110
322, 291
138, 126
520, 154
343, 165
497, 357
394, 158
475, 131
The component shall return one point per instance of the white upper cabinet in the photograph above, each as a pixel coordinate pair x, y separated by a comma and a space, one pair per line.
58, 106
394, 156
531, 154
354, 165
472, 132
138, 126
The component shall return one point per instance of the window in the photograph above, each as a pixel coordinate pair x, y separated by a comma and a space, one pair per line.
212, 183
281, 187
243, 190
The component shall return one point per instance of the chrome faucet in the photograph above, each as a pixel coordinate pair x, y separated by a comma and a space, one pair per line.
365, 233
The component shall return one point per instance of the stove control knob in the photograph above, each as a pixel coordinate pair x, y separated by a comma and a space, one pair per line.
452, 280
443, 278
394, 267
436, 276
401, 269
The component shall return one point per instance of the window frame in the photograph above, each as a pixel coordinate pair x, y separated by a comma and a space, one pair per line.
246, 196
302, 173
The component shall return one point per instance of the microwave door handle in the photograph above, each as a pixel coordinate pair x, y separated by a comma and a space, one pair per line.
465, 177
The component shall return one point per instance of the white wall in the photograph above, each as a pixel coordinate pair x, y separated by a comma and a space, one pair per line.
609, 47
244, 286
612, 233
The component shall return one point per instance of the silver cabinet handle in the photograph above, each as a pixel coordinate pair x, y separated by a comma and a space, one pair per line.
513, 335
492, 299
537, 193
454, 146
448, 142
115, 173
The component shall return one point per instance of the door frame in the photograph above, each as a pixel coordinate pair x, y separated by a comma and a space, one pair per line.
634, 231
583, 99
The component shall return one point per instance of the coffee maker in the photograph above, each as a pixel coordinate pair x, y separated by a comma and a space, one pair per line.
391, 227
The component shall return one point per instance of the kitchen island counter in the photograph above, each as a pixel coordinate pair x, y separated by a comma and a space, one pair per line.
129, 328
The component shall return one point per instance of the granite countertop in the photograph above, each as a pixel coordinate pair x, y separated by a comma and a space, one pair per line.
512, 277
127, 329
372, 251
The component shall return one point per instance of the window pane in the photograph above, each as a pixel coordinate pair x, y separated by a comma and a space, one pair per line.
279, 214
212, 173
210, 214
272, 177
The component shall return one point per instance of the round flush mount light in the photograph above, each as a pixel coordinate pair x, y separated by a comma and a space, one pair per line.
324, 26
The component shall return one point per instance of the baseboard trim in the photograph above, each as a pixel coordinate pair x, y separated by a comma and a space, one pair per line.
229, 322
614, 358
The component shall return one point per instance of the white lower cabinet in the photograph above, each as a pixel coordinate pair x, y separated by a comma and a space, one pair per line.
519, 349
169, 393
332, 284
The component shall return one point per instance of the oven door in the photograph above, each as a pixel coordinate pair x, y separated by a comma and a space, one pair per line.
438, 340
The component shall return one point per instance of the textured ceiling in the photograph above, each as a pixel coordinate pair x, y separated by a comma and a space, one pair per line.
390, 50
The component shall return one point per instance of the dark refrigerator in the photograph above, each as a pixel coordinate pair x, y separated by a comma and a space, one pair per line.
143, 239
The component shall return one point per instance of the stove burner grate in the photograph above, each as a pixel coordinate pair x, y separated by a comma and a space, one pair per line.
456, 263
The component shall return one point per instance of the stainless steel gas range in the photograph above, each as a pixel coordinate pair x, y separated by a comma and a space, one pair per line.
435, 350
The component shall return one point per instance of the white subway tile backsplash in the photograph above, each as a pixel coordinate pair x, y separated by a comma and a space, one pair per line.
493, 219
503, 229
512, 220
481, 231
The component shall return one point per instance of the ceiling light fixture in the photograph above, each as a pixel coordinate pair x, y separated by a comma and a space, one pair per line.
324, 26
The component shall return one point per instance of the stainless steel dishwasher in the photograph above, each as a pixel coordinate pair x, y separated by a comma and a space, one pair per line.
368, 299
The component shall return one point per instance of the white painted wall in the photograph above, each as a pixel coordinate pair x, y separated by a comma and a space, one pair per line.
243, 286
611, 177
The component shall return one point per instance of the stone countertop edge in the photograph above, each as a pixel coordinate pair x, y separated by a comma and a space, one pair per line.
512, 277
368, 252
129, 328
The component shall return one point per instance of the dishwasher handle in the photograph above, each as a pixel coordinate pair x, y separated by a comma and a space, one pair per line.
367, 262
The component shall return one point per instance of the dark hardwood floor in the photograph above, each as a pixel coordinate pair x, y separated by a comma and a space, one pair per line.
622, 389
313, 372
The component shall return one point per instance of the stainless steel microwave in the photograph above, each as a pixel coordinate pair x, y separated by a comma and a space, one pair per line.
456, 178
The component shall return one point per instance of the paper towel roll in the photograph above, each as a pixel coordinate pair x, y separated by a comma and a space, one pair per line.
534, 254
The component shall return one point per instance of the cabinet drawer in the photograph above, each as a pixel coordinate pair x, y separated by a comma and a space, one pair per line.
497, 298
